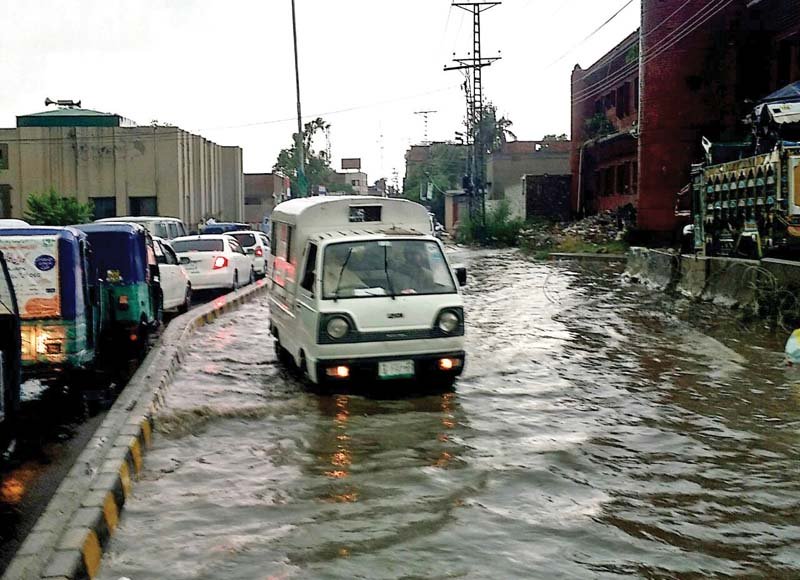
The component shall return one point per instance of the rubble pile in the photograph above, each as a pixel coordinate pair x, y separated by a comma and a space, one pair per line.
600, 230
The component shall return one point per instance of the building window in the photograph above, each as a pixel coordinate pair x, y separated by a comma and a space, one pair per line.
5, 201
3, 155
355, 182
636, 94
104, 207
143, 206
252, 201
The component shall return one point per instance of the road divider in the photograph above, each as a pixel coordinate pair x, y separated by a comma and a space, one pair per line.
69, 538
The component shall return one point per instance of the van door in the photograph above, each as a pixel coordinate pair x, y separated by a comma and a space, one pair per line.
306, 305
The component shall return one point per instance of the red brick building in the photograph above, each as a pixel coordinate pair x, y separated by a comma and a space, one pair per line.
701, 66
605, 107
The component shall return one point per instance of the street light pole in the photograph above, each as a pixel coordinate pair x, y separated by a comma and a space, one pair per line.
302, 183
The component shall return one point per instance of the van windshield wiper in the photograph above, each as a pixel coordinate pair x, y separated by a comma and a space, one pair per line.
386, 271
341, 273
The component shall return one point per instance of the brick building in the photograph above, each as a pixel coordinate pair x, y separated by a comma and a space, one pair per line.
700, 67
605, 107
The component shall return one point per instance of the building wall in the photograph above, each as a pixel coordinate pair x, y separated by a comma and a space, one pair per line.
188, 176
607, 90
263, 191
505, 170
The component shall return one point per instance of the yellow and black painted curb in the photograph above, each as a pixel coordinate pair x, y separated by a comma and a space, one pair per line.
68, 540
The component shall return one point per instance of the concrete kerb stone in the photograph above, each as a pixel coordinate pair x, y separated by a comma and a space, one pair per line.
68, 539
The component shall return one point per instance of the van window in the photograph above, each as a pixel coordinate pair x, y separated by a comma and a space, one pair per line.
311, 269
284, 244
174, 232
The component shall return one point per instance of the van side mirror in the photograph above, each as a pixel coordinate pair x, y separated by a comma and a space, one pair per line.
461, 275
184, 260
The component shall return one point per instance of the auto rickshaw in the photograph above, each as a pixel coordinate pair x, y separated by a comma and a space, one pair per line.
50, 268
10, 353
130, 291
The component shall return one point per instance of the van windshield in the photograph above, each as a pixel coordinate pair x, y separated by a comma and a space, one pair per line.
385, 268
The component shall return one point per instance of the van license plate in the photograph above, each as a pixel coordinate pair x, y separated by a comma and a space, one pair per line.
396, 369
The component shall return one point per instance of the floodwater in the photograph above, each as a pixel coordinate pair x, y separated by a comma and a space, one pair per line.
601, 431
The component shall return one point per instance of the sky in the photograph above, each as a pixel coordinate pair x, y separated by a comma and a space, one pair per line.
225, 70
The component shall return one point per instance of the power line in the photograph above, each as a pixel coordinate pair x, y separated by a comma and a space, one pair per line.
591, 34
176, 132
613, 77
708, 11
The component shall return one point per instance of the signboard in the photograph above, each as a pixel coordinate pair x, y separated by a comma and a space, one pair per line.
33, 265
352, 163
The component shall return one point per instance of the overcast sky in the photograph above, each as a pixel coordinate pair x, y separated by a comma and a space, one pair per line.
225, 69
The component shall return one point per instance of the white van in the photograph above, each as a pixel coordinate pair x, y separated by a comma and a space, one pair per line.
361, 291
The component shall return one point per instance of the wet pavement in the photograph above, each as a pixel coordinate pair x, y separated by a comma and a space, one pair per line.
600, 431
56, 423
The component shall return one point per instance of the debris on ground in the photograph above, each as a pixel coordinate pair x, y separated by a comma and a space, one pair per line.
601, 233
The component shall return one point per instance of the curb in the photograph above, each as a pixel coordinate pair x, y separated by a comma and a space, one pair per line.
69, 538
587, 257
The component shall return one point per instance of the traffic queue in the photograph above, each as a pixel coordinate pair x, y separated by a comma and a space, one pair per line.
79, 299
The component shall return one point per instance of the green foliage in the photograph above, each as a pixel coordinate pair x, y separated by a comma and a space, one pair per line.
554, 137
50, 209
317, 165
444, 168
598, 126
500, 229
495, 130
633, 54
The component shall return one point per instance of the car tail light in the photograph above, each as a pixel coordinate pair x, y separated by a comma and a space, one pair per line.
259, 252
220, 262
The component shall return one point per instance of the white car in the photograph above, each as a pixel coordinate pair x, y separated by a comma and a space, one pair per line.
167, 228
176, 288
255, 244
214, 261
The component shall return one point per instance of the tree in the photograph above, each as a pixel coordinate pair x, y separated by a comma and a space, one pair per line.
554, 137
496, 131
50, 209
317, 164
443, 168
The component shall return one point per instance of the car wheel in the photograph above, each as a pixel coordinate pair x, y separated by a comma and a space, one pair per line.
236, 280
252, 276
187, 301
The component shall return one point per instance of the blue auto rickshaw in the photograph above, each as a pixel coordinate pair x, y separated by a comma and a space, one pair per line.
10, 353
130, 293
52, 274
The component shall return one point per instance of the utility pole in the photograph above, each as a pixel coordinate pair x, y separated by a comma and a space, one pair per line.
302, 182
425, 115
475, 63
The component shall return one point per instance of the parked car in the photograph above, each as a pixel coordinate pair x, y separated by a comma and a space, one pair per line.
224, 227
166, 228
55, 283
176, 288
255, 244
10, 357
214, 261
131, 295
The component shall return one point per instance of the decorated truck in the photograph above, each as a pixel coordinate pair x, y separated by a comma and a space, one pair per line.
746, 197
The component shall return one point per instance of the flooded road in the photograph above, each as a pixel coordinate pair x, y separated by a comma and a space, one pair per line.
599, 431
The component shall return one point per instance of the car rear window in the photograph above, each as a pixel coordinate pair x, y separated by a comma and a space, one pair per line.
183, 246
245, 240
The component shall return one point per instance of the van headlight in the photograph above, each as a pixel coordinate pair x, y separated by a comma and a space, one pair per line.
337, 327
448, 321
